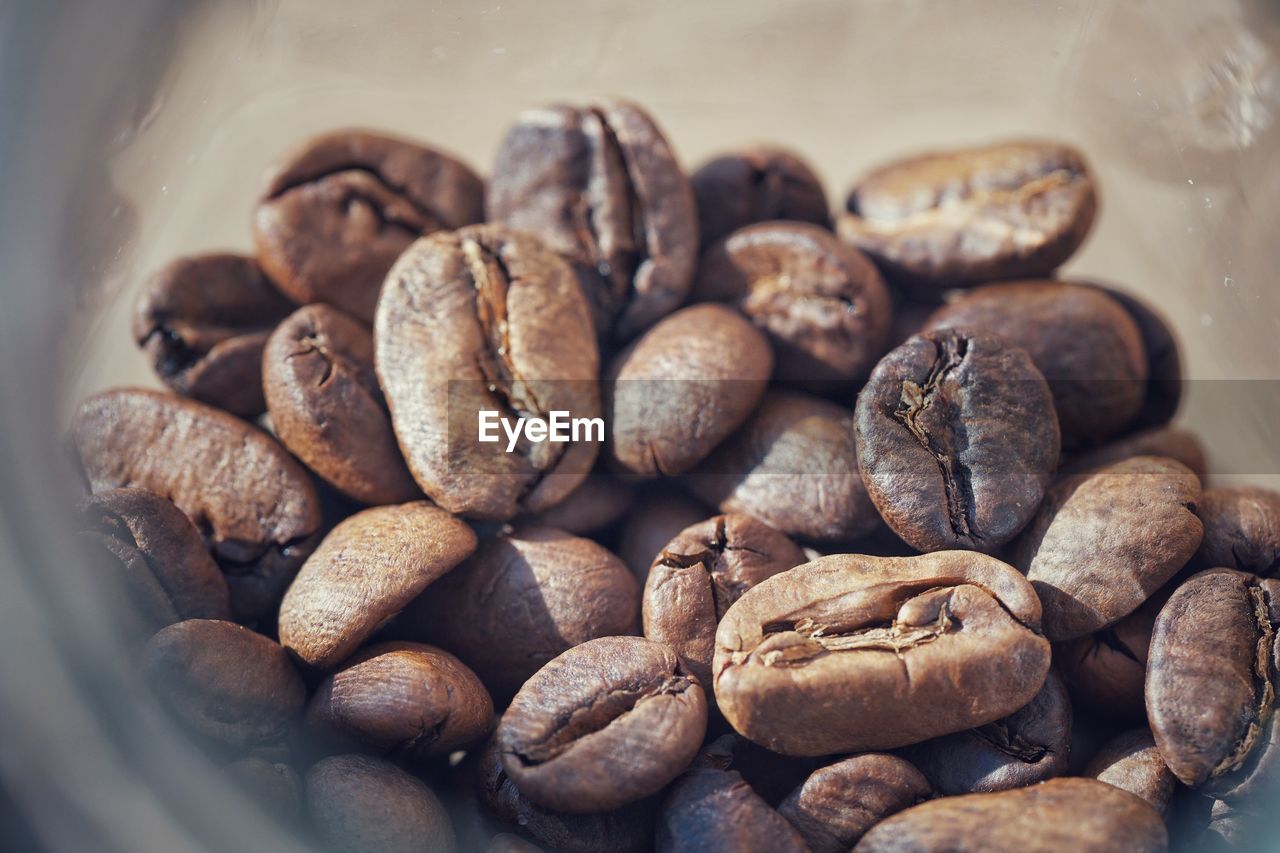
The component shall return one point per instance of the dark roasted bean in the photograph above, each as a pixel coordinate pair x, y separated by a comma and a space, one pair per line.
365, 572
957, 440
486, 319
975, 214
853, 653
343, 206
601, 186
611, 700
326, 407
203, 321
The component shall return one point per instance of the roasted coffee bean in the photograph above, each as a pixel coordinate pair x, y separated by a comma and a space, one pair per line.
326, 407
253, 503
1131, 762
823, 303
1178, 444
1084, 342
364, 572
957, 440
366, 805
679, 390
762, 183
974, 214
343, 206
1211, 683
1061, 814
601, 186
505, 842
166, 572
1028, 746
793, 466
1104, 541
838, 804
661, 511
608, 701
1164, 361
408, 700
628, 829
203, 321
596, 505
486, 319
709, 810
851, 653
274, 785
700, 573
524, 598
1105, 670
1241, 530
224, 681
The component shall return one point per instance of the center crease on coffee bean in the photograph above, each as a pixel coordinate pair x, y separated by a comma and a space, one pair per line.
493, 280
619, 273
1010, 743
427, 219
1264, 690
918, 399
601, 713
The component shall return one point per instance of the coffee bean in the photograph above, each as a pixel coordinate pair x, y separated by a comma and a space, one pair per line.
1211, 682
672, 395
253, 503
223, 681
700, 573
1028, 746
793, 466
365, 572
1164, 360
762, 183
344, 205
1103, 542
326, 406
1061, 814
273, 785
404, 699
597, 505
611, 700
957, 440
1178, 444
1105, 670
1084, 342
524, 598
167, 574
838, 804
973, 214
628, 829
852, 653
366, 805
660, 513
822, 303
708, 809
1241, 530
486, 319
203, 321
601, 186
1131, 762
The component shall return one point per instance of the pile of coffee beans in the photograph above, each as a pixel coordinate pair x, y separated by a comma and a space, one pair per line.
869, 531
